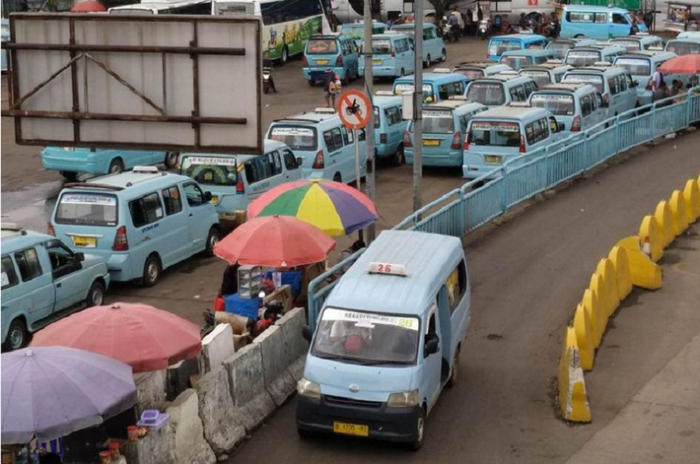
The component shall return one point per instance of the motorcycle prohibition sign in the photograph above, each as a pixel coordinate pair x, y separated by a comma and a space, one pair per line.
355, 110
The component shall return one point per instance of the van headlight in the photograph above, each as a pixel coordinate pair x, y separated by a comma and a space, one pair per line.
403, 399
309, 389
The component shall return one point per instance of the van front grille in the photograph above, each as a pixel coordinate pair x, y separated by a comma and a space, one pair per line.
341, 401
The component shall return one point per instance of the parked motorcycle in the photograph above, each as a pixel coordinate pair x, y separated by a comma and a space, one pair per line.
484, 28
268, 80
450, 33
551, 30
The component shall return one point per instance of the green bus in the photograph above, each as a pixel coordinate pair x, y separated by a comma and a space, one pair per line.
630, 5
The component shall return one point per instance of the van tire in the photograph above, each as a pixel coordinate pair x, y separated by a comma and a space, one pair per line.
337, 178
96, 295
454, 376
419, 438
304, 434
212, 239
116, 166
70, 175
311, 82
399, 158
151, 271
171, 159
443, 58
426, 63
17, 336
285, 55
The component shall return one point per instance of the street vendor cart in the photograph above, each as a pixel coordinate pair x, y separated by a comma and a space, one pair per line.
679, 18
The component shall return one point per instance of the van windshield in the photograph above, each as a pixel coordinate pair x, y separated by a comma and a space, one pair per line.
497, 47
486, 93
559, 105
472, 74
595, 80
582, 57
437, 122
295, 137
635, 66
495, 133
381, 47
210, 170
366, 338
683, 48
541, 78
322, 47
87, 209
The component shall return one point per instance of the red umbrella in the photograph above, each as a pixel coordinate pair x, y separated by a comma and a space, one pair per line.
89, 6
146, 338
279, 241
684, 64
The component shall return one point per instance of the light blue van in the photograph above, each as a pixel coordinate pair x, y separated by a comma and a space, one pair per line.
639, 42
339, 53
42, 281
5, 37
501, 89
444, 132
598, 22
392, 56
437, 86
560, 46
614, 83
516, 59
433, 46
236, 180
357, 30
641, 65
688, 45
71, 162
498, 135
513, 42
141, 222
592, 54
576, 107
389, 127
324, 145
388, 340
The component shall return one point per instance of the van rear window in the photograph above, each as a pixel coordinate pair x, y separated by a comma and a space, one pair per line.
540, 77
628, 44
683, 48
635, 66
516, 61
471, 74
295, 137
381, 47
322, 47
497, 47
495, 133
595, 80
486, 93
88, 209
437, 122
582, 57
210, 170
560, 105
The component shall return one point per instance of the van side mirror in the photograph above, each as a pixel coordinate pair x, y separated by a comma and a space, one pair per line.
79, 257
560, 127
306, 333
207, 196
299, 161
432, 343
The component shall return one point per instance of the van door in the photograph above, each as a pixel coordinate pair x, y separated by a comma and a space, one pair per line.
37, 284
292, 168
393, 127
619, 25
349, 141
430, 382
69, 283
199, 216
175, 225
146, 213
263, 173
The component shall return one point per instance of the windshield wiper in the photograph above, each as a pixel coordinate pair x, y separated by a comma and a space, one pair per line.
387, 362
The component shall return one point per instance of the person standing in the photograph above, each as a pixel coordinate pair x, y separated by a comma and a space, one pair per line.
329, 79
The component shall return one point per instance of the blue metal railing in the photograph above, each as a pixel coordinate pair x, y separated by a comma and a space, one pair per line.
480, 200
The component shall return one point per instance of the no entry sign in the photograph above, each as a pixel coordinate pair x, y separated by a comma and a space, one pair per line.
354, 109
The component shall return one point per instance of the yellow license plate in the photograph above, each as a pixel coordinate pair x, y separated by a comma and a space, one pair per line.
214, 200
87, 242
492, 159
376, 61
321, 61
351, 429
431, 143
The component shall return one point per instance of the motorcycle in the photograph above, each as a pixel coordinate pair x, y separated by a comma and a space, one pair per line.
450, 33
551, 30
268, 81
484, 28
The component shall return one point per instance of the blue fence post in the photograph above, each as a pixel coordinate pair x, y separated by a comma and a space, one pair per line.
504, 190
462, 214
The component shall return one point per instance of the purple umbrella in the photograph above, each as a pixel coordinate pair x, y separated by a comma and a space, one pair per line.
49, 392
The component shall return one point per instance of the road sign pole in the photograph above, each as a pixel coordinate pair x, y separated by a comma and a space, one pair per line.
369, 131
418, 109
357, 160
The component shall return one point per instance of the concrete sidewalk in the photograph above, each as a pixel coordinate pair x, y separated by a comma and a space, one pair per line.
661, 424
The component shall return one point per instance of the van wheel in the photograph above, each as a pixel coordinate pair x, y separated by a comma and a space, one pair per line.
454, 376
285, 55
443, 58
419, 434
96, 295
311, 82
212, 240
346, 80
70, 176
116, 166
171, 159
337, 178
398, 159
426, 63
304, 434
17, 336
151, 271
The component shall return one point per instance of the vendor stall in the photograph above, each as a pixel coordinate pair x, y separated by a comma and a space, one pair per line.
679, 17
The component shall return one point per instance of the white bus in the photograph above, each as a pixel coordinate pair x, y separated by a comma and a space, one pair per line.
165, 7
287, 24
391, 9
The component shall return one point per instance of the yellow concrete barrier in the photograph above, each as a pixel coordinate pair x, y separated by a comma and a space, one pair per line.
677, 204
590, 306
584, 337
664, 219
600, 313
691, 194
573, 399
644, 272
649, 235
612, 297
620, 261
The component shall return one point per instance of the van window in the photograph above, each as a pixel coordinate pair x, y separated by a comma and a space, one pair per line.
393, 115
486, 93
619, 18
429, 33
615, 84
401, 45
321, 47
540, 77
683, 48
587, 105
536, 131
627, 43
210, 170
333, 139
471, 74
89, 209
172, 200
437, 122
450, 89
495, 133
497, 47
381, 47
596, 80
518, 94
635, 66
263, 167
582, 57
529, 88
559, 105
456, 286
576, 17
146, 210
28, 264
194, 194
540, 59
290, 161
295, 137
62, 259
9, 275
601, 18
535, 45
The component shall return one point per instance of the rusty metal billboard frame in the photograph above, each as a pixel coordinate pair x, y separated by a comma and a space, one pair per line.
85, 52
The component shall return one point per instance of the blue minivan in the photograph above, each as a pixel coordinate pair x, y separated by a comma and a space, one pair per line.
389, 127
433, 45
356, 30
339, 53
517, 59
688, 45
42, 281
388, 340
71, 162
506, 43
392, 56
141, 222
598, 22
437, 86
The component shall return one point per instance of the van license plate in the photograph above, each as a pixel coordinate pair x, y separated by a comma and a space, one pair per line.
86, 242
431, 143
214, 200
351, 429
492, 159
376, 61
321, 61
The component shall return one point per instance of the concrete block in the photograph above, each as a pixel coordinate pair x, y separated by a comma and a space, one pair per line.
600, 307
618, 256
151, 390
644, 272
680, 219
590, 306
691, 195
178, 377
296, 369
154, 448
189, 445
216, 347
651, 238
278, 381
664, 219
573, 399
291, 325
222, 426
584, 338
247, 384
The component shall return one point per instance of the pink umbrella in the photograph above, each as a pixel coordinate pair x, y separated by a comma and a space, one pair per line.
146, 338
89, 6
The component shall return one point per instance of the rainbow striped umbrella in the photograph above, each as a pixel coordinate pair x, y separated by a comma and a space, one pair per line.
333, 207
